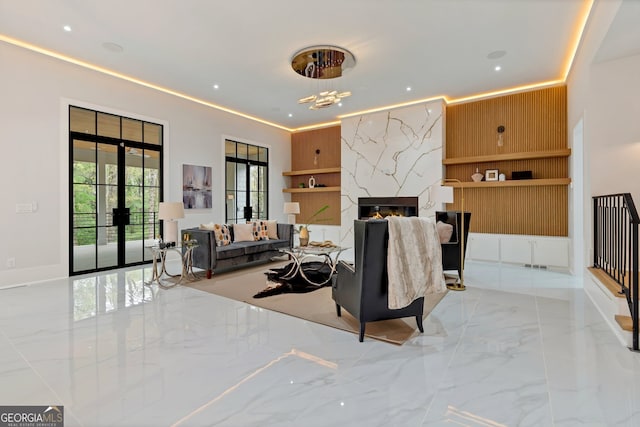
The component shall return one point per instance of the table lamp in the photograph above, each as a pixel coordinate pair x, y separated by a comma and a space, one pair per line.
169, 212
292, 209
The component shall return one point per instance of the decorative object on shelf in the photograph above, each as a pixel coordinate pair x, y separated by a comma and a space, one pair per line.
169, 212
301, 185
521, 175
292, 209
312, 182
445, 195
491, 175
502, 177
477, 177
500, 130
315, 157
323, 62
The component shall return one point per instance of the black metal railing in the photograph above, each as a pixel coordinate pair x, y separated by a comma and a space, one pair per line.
615, 247
142, 225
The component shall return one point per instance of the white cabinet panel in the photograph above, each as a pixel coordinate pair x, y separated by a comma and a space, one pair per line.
515, 249
483, 247
519, 249
553, 252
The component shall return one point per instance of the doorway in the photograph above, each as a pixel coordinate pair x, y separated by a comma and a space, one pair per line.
115, 181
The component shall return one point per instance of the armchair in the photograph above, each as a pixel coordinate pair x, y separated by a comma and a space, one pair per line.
451, 253
362, 288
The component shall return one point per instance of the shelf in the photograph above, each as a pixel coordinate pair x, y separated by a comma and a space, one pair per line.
311, 190
511, 183
312, 171
511, 156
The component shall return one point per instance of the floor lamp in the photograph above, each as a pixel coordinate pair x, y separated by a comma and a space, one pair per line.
446, 196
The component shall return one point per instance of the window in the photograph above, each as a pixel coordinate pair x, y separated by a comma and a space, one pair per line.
246, 182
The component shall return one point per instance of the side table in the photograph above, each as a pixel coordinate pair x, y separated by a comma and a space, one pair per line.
159, 268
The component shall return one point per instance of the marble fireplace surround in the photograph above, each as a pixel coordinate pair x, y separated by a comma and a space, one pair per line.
391, 154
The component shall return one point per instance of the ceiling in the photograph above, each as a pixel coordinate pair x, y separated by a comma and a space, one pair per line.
435, 47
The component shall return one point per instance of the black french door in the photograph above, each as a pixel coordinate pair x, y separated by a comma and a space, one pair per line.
115, 189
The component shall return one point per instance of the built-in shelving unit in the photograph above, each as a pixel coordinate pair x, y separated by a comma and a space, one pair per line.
511, 183
311, 190
312, 171
509, 156
315, 153
513, 133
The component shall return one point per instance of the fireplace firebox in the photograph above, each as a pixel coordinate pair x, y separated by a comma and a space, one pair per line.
381, 207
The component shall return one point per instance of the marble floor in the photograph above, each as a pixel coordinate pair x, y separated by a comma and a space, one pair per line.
520, 347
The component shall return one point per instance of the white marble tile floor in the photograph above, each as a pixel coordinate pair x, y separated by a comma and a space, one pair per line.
519, 347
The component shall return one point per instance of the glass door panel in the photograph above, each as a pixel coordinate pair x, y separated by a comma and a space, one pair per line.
116, 188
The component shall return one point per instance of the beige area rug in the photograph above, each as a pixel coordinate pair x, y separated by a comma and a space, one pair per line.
316, 306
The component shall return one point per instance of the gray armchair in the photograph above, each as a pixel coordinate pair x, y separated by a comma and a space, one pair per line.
362, 288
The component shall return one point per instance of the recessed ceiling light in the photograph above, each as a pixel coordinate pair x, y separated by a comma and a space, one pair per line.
215, 86
408, 88
496, 54
67, 28
112, 47
339, 104
497, 68
290, 115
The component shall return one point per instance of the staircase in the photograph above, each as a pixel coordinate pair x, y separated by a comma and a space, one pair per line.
604, 292
613, 282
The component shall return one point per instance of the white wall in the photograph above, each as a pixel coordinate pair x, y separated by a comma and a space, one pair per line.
35, 90
604, 96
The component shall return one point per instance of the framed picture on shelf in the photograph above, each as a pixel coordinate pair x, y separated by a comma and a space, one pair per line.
491, 175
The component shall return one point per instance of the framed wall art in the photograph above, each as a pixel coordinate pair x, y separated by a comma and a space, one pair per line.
491, 175
196, 187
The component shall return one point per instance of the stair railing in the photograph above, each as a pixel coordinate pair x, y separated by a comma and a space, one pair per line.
615, 247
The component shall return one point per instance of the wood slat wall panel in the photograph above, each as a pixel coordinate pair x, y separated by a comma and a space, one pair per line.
533, 121
535, 210
303, 147
311, 202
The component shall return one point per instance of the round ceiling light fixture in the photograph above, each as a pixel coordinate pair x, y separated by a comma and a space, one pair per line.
323, 62
496, 54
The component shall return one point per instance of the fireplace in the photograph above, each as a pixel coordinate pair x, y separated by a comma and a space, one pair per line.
381, 207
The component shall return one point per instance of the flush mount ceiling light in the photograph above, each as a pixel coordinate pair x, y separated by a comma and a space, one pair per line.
323, 63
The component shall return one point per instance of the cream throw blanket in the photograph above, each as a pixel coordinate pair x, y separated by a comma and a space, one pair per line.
414, 260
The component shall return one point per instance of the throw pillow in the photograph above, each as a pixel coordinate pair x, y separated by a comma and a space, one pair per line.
222, 234
243, 232
211, 226
444, 231
260, 230
272, 229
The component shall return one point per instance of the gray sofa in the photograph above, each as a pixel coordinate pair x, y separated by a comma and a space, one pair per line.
209, 257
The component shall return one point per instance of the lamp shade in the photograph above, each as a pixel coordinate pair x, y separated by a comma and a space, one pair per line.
292, 208
444, 194
170, 210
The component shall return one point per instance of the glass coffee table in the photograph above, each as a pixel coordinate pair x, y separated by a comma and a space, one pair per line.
300, 254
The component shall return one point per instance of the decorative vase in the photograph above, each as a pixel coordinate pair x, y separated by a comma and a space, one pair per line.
477, 177
304, 236
312, 182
